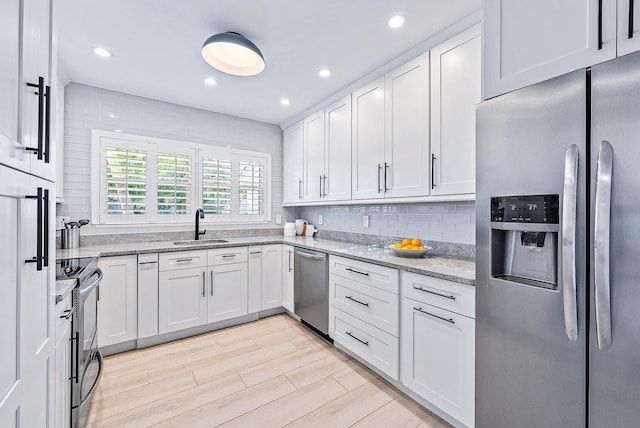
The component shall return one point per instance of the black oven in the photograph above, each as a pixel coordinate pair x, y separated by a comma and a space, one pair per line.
86, 364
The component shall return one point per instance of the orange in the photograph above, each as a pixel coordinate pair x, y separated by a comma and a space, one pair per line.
416, 242
406, 242
398, 245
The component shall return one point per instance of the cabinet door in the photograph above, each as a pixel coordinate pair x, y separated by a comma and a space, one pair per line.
287, 278
118, 304
367, 141
62, 375
314, 156
528, 42
455, 91
293, 161
254, 290
227, 291
336, 184
628, 27
147, 295
182, 299
271, 276
438, 353
36, 48
9, 79
406, 163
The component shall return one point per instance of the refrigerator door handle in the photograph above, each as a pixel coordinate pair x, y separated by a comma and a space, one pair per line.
602, 222
569, 210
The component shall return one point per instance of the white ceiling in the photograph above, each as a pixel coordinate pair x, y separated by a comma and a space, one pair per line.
156, 47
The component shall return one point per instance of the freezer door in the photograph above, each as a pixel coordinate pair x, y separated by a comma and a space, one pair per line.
529, 373
614, 373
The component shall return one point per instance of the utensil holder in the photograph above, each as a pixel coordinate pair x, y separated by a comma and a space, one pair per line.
70, 238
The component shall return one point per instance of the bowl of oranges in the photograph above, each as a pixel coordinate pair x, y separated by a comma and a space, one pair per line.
409, 248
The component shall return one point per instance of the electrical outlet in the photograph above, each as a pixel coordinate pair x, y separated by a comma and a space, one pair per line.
278, 219
365, 221
320, 219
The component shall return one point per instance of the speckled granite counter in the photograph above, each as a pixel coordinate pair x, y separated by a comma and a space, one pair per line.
461, 271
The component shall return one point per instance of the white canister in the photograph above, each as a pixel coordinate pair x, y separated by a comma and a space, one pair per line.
289, 229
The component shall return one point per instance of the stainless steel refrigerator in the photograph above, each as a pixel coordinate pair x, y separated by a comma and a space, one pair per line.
558, 252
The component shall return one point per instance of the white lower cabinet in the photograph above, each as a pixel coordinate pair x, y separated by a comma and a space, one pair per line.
287, 278
182, 299
227, 291
147, 295
438, 353
271, 276
62, 372
255, 280
118, 300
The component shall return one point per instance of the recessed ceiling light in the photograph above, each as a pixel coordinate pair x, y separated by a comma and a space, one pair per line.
113, 115
324, 72
285, 102
118, 130
102, 52
396, 21
210, 81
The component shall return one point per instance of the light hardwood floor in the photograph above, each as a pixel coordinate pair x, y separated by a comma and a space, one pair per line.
269, 373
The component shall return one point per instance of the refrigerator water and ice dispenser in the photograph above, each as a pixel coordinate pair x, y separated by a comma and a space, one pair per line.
524, 239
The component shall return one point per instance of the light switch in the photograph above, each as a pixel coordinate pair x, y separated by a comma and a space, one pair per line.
320, 219
278, 219
365, 221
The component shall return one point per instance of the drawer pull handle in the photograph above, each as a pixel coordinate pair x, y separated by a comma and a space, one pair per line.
449, 320
67, 314
357, 301
185, 260
348, 333
433, 292
357, 271
226, 256
147, 263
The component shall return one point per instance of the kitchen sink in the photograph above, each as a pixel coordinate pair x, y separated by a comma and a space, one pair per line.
201, 241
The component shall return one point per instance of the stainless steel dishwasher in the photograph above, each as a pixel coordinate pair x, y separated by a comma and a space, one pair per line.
311, 290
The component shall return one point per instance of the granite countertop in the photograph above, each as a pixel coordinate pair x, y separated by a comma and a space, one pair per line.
457, 270
63, 287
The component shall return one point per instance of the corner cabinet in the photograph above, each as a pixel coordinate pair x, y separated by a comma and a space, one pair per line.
293, 158
118, 300
529, 42
438, 343
455, 90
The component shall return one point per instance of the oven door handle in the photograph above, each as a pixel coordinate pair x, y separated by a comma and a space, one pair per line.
86, 289
98, 354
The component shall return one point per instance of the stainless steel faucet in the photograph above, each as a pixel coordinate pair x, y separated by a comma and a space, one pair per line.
199, 215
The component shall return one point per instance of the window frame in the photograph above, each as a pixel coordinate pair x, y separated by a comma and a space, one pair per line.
101, 139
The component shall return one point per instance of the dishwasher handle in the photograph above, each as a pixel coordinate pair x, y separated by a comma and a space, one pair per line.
309, 256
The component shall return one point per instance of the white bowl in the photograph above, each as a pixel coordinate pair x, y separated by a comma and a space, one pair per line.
416, 254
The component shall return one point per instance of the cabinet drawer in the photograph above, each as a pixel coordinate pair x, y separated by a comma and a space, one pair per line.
375, 347
372, 305
223, 256
182, 260
380, 277
459, 298
62, 322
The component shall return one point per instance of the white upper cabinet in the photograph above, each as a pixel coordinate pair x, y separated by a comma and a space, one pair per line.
9, 74
293, 158
313, 156
455, 91
528, 42
628, 27
406, 162
367, 143
336, 181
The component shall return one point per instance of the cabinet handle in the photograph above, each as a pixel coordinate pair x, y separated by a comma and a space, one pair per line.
184, 260
386, 168
299, 189
433, 292
204, 292
40, 85
226, 256
379, 168
67, 314
357, 301
348, 333
45, 221
290, 253
433, 168
630, 33
450, 320
38, 258
320, 186
148, 263
47, 123
324, 187
357, 271
599, 24
211, 283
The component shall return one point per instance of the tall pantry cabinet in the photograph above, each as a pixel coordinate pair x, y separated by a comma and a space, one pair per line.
27, 210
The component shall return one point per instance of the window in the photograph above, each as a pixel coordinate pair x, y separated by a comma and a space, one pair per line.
145, 180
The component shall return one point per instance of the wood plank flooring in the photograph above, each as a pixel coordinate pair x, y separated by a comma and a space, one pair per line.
269, 373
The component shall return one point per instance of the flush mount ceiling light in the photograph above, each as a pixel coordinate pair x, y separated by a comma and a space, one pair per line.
102, 52
396, 21
233, 53
324, 72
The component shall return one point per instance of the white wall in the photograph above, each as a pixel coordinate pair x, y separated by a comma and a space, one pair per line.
88, 108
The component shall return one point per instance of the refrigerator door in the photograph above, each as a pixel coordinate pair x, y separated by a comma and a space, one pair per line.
614, 373
529, 373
